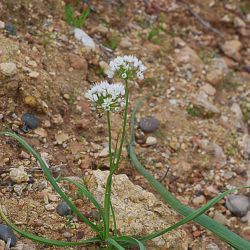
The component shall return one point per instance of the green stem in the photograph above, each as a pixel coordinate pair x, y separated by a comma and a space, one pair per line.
110, 139
107, 200
124, 127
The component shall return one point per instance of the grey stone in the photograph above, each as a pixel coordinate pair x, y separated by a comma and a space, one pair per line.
63, 209
149, 124
7, 233
30, 122
238, 205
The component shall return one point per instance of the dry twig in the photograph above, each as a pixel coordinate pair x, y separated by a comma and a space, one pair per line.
204, 23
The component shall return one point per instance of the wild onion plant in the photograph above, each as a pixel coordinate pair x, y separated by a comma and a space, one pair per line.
106, 98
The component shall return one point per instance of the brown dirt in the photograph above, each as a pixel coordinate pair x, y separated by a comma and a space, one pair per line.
58, 99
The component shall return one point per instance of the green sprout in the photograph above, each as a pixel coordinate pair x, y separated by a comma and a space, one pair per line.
72, 19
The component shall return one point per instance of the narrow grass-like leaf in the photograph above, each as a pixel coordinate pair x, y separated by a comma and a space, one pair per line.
87, 194
132, 241
114, 219
46, 240
218, 229
116, 146
52, 181
192, 216
112, 242
107, 202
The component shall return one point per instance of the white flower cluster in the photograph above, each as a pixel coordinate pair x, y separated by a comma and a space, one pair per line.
107, 97
127, 67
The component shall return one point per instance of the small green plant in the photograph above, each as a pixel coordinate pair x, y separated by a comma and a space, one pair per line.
154, 35
69, 222
232, 148
245, 7
72, 19
230, 81
106, 98
112, 42
199, 111
245, 108
100, 72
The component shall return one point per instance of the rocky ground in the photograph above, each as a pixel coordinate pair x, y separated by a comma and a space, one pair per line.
195, 138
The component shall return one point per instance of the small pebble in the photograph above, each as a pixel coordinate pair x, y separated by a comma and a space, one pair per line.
33, 74
246, 233
149, 124
220, 218
49, 207
104, 152
10, 28
212, 246
63, 209
61, 138
199, 200
30, 122
8, 68
150, 141
18, 175
30, 101
7, 233
2, 25
247, 68
238, 205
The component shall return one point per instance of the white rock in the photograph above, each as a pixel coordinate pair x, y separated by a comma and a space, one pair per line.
32, 63
186, 55
232, 48
237, 110
151, 141
209, 89
248, 17
125, 43
33, 74
84, 38
246, 144
239, 23
49, 207
8, 69
205, 103
217, 70
18, 175
199, 200
138, 212
104, 152
61, 138
2, 25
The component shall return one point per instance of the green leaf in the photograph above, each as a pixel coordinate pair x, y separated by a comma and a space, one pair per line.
114, 219
52, 180
132, 241
46, 240
86, 193
221, 231
112, 242
192, 216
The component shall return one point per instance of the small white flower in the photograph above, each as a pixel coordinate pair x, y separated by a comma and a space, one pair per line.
140, 75
126, 67
124, 75
107, 97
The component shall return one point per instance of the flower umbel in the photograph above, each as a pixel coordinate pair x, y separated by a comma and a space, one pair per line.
107, 97
126, 67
